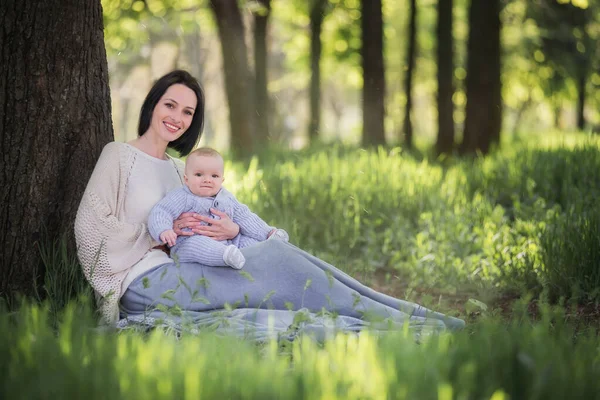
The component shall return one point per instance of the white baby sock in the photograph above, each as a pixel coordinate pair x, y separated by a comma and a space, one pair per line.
280, 234
234, 257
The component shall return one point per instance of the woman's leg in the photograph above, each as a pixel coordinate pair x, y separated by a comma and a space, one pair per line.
365, 291
276, 275
398, 304
275, 280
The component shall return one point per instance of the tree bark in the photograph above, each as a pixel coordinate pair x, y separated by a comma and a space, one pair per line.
239, 82
317, 15
483, 118
407, 127
54, 120
261, 20
445, 76
557, 115
373, 96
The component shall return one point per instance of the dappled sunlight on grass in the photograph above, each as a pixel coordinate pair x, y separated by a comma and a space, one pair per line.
454, 224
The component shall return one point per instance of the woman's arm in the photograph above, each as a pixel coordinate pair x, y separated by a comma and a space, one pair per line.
106, 244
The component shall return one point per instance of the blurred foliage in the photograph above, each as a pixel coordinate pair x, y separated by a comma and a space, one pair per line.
545, 44
566, 46
491, 359
129, 25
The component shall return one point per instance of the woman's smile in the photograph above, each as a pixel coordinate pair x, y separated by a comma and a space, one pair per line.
171, 127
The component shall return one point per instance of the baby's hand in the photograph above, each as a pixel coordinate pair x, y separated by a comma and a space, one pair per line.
169, 236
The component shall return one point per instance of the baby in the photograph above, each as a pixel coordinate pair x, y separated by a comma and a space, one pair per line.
201, 192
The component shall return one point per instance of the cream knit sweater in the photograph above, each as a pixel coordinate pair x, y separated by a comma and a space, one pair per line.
110, 227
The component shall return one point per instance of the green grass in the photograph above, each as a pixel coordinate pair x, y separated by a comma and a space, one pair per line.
470, 224
524, 219
571, 255
491, 359
63, 277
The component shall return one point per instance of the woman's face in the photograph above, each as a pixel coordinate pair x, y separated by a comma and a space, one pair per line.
173, 113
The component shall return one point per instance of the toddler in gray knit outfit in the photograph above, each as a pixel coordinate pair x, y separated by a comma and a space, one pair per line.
201, 192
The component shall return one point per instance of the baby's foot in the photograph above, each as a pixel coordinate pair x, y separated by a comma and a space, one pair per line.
234, 257
280, 234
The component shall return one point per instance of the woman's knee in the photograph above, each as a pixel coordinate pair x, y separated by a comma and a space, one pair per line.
268, 246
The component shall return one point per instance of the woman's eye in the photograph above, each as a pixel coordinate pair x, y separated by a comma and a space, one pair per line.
169, 105
189, 113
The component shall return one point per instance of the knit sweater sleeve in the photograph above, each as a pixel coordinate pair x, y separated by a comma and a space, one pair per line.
107, 245
250, 224
166, 211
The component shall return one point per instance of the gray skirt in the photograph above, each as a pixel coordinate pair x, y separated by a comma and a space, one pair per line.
279, 285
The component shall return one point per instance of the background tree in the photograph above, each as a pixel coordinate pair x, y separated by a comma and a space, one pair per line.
445, 74
373, 98
54, 121
407, 127
568, 44
317, 14
261, 19
239, 81
483, 118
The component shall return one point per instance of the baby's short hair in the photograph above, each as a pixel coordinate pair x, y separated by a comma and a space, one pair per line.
202, 152
205, 151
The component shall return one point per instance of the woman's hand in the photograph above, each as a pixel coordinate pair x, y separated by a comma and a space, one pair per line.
186, 220
219, 229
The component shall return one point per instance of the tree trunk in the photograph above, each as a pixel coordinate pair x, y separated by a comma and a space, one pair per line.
407, 127
373, 97
581, 81
445, 74
317, 14
239, 82
519, 115
557, 115
54, 120
194, 60
261, 18
484, 102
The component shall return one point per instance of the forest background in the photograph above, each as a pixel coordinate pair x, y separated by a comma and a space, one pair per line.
549, 57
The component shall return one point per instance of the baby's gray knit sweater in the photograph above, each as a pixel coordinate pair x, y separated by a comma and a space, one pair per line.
183, 200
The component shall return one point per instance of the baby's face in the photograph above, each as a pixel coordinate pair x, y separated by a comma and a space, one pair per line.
204, 175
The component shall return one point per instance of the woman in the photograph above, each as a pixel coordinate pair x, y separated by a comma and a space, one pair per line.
131, 273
